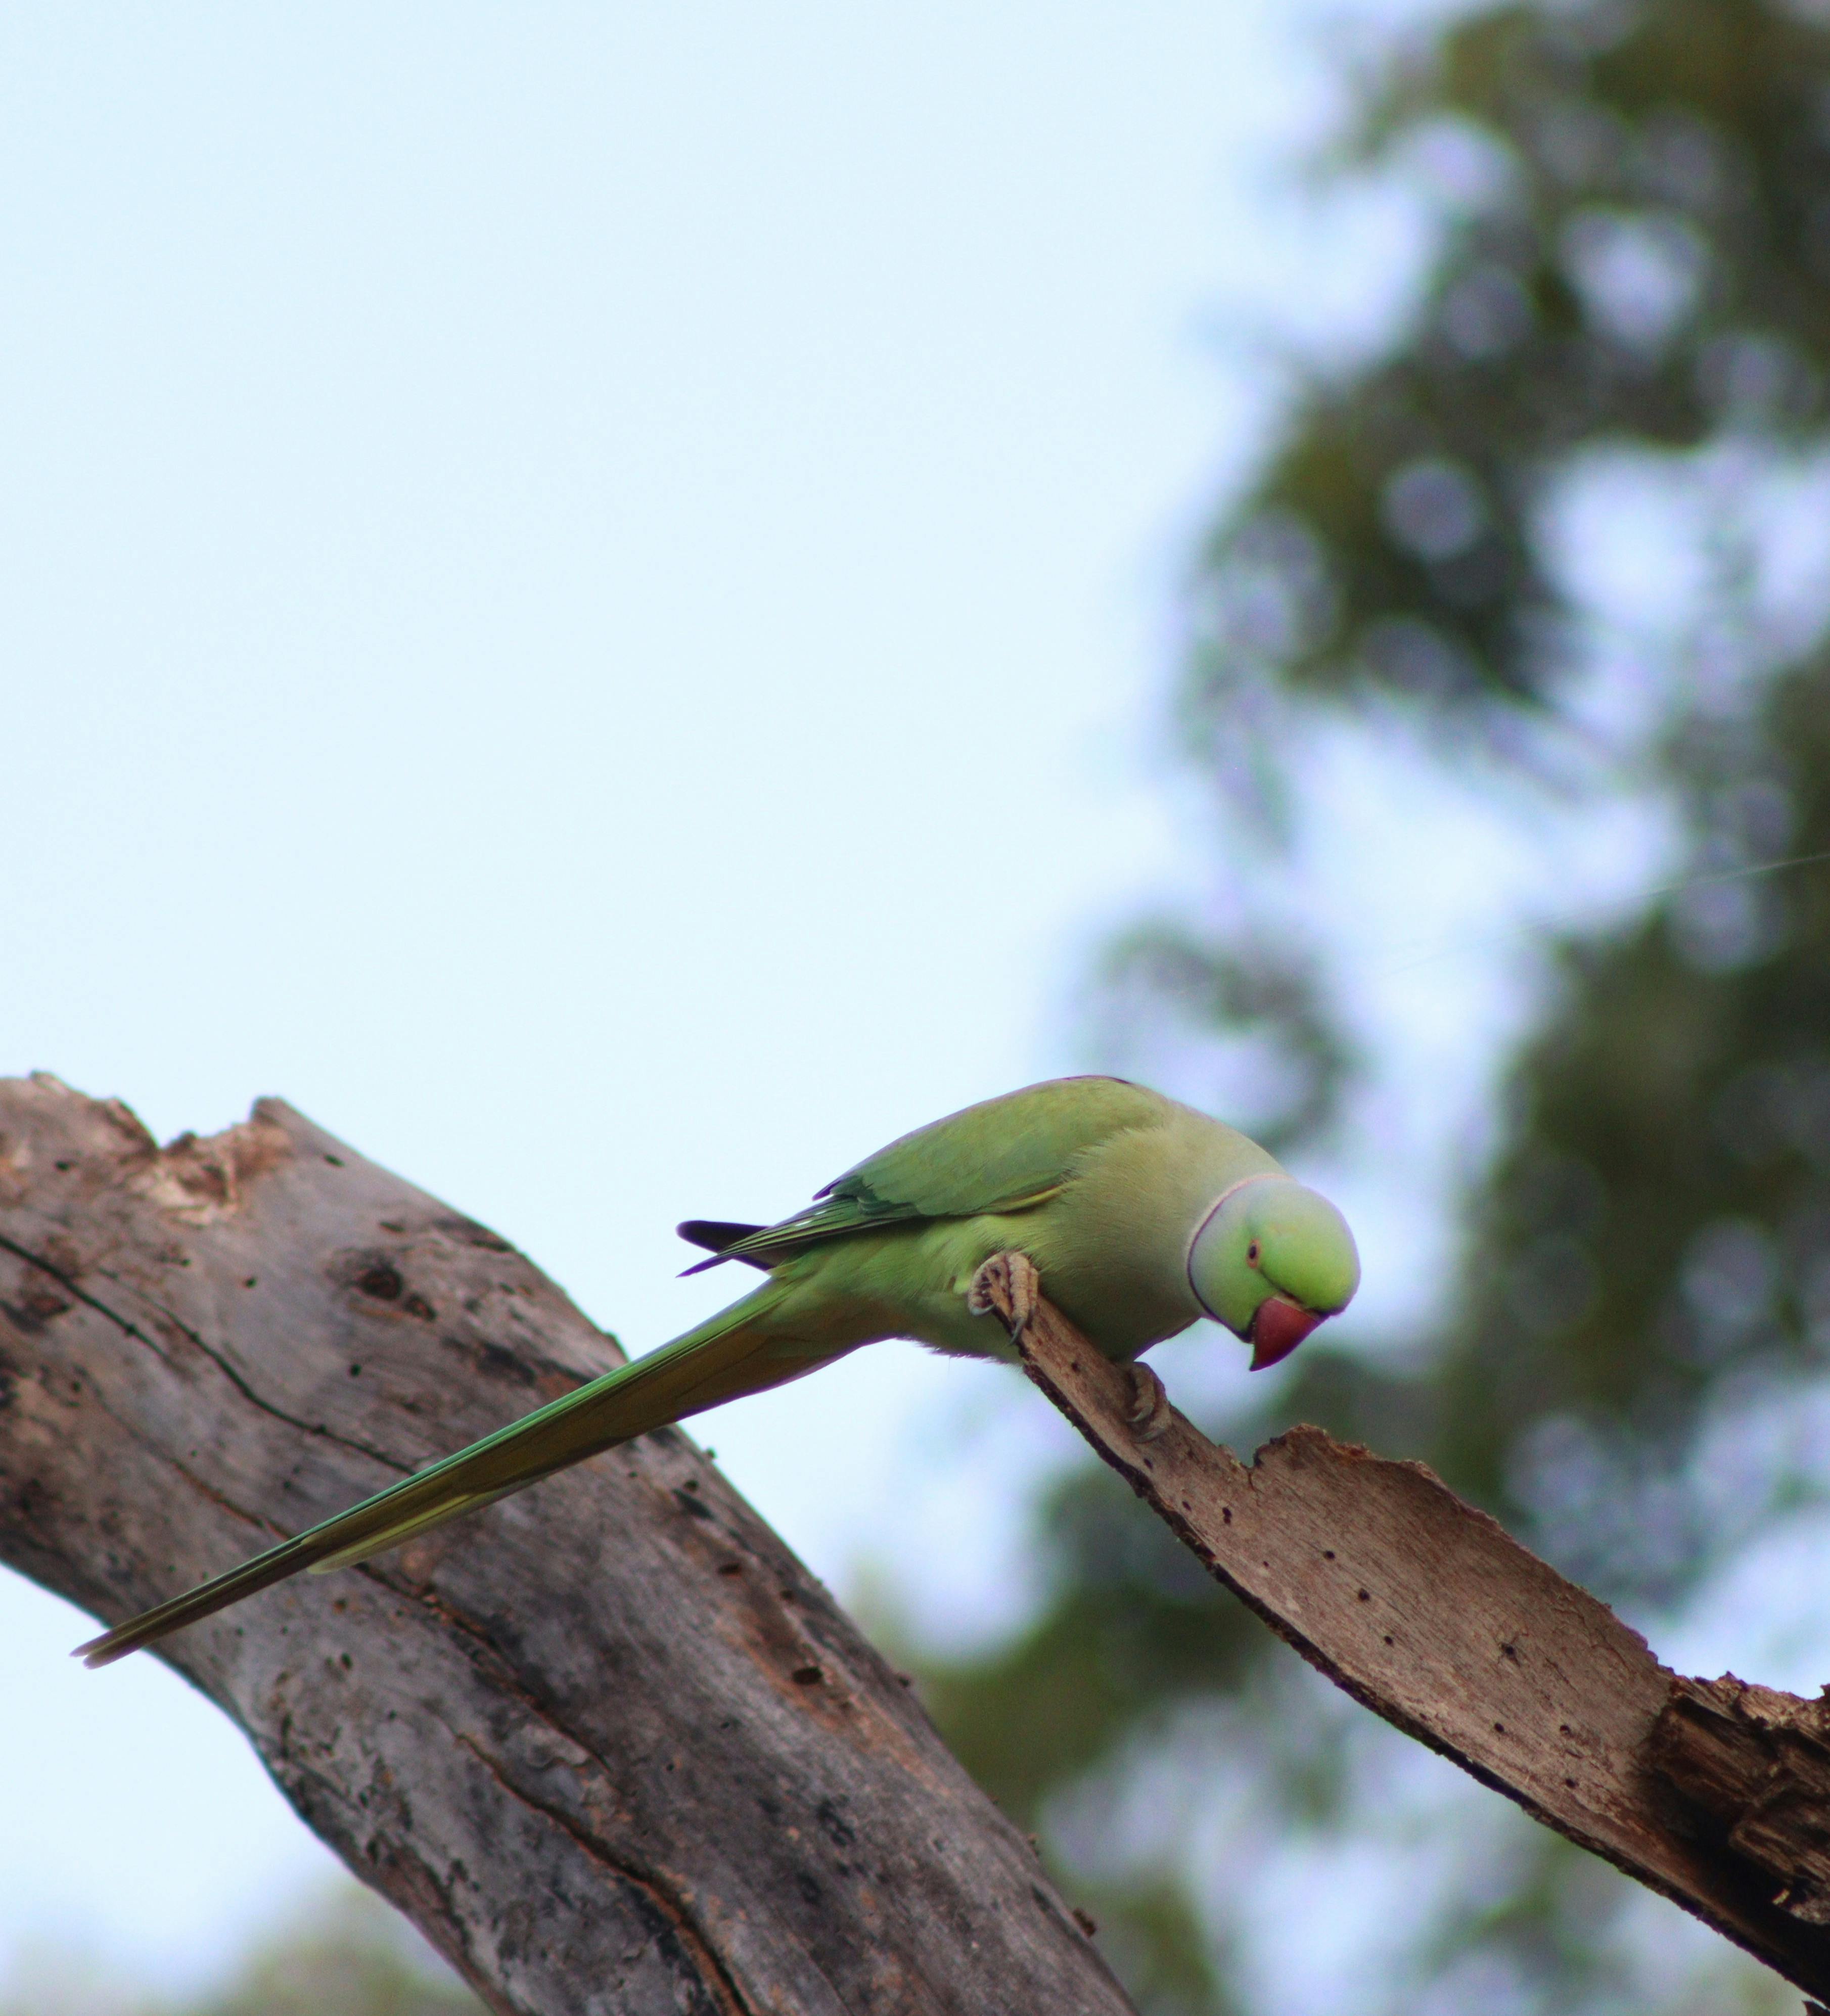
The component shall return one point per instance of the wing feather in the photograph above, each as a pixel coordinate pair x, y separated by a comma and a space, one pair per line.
1003, 1154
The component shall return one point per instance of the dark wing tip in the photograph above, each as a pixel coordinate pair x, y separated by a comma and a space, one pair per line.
715, 1234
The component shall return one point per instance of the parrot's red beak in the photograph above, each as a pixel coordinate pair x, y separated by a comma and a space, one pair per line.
1279, 1325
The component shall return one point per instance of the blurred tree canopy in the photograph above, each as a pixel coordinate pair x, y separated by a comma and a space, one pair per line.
1627, 308
349, 1955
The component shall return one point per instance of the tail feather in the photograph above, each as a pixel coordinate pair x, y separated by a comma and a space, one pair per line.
727, 1356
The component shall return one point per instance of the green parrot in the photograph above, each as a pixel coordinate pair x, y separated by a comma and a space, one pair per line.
1140, 1215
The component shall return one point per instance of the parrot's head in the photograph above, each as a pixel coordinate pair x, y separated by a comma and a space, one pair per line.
1270, 1260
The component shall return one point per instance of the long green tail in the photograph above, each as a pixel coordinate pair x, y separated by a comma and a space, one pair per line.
723, 1357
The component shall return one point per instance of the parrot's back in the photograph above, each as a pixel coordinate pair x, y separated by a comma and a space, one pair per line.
997, 1154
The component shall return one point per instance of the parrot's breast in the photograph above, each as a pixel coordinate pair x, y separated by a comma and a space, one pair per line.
1112, 1247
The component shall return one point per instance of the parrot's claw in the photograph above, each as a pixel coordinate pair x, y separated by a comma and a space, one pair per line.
1006, 1280
1150, 1413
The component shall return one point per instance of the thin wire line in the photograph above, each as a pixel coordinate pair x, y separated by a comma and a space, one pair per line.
1446, 947
1739, 874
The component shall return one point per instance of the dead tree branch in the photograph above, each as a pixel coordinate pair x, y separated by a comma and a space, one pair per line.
608, 1744
1715, 1794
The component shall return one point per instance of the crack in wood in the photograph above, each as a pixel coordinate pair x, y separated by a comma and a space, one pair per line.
716, 1976
131, 1329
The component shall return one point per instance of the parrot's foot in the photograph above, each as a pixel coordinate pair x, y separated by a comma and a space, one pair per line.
1150, 1411
1007, 1286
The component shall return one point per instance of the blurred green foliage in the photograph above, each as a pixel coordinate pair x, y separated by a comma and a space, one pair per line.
351, 1955
1633, 261
1636, 246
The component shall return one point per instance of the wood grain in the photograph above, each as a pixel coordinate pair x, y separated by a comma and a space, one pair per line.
1428, 1612
608, 1744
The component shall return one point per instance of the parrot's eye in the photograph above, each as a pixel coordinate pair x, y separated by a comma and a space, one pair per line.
1252, 1255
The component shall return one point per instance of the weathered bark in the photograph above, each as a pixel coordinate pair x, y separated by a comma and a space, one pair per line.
608, 1744
1425, 1610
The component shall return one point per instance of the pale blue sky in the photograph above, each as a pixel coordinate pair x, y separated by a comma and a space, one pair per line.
585, 599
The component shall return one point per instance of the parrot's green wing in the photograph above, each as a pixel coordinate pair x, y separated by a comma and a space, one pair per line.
1002, 1154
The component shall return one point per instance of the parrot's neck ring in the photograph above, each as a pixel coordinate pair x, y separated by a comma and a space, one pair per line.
1207, 1217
